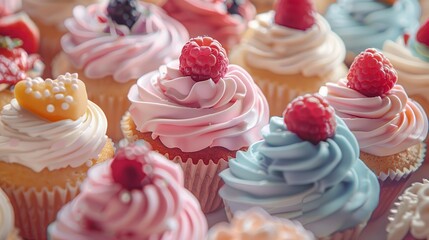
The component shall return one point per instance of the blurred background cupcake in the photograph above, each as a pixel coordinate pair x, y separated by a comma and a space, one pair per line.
255, 223
367, 24
7, 219
138, 194
390, 127
49, 16
111, 45
290, 52
409, 219
195, 117
225, 21
50, 135
263, 5
307, 168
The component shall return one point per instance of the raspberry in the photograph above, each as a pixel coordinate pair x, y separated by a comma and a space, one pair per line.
311, 118
124, 12
422, 35
296, 14
371, 74
203, 58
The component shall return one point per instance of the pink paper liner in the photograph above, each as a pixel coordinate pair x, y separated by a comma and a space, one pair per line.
36, 209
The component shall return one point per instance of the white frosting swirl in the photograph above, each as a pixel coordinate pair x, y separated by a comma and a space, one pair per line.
53, 12
282, 50
6, 216
413, 73
411, 214
37, 143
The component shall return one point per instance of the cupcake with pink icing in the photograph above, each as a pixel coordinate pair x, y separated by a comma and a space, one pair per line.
290, 52
410, 56
111, 45
197, 111
389, 127
225, 21
258, 224
138, 194
7, 219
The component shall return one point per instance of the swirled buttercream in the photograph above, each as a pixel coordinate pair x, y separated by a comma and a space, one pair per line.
365, 24
179, 110
154, 39
8, 7
411, 214
325, 186
201, 17
384, 125
282, 50
6, 216
104, 210
37, 143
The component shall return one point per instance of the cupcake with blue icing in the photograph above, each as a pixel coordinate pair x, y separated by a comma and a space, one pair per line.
307, 169
369, 23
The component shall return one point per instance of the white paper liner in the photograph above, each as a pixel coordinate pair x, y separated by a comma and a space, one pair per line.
36, 209
401, 174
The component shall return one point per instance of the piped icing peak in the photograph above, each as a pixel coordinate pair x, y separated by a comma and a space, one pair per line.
53, 100
296, 14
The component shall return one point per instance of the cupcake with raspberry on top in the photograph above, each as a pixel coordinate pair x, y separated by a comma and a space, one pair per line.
307, 169
198, 111
389, 127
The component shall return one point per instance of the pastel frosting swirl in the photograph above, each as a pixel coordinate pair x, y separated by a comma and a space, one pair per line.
325, 186
368, 23
383, 126
282, 50
104, 210
6, 216
37, 143
211, 18
410, 214
193, 115
154, 39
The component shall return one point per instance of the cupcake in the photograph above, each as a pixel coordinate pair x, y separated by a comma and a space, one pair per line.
197, 113
408, 220
225, 21
7, 219
290, 52
145, 198
110, 46
15, 65
389, 127
367, 24
50, 131
49, 16
307, 169
257, 224
411, 60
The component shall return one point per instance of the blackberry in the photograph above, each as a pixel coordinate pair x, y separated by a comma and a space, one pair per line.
233, 6
123, 12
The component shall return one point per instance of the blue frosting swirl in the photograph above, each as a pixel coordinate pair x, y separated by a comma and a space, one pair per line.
368, 23
325, 186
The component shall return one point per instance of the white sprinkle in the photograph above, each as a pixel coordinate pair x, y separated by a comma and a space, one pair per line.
28, 90
55, 89
50, 108
68, 75
61, 78
74, 76
75, 86
38, 80
59, 96
74, 81
125, 197
61, 84
68, 80
69, 99
65, 106
37, 94
62, 89
28, 84
49, 81
47, 93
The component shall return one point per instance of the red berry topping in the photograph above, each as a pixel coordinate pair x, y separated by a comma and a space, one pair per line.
422, 35
311, 118
203, 58
371, 74
297, 14
127, 167
406, 38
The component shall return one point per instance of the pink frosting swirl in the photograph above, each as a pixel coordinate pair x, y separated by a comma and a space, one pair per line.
382, 125
195, 115
155, 39
104, 210
210, 17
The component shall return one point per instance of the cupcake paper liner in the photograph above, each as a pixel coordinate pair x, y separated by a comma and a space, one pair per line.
36, 209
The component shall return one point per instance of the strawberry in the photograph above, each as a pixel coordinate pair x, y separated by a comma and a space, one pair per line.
22, 27
422, 35
296, 14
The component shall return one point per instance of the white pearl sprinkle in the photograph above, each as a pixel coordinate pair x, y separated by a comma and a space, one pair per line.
49, 81
55, 89
74, 76
28, 90
38, 80
62, 89
37, 94
125, 197
74, 81
61, 84
47, 93
28, 84
65, 106
50, 108
61, 78
69, 99
59, 96
75, 87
